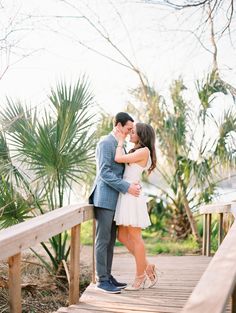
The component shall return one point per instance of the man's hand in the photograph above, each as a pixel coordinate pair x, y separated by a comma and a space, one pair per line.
134, 189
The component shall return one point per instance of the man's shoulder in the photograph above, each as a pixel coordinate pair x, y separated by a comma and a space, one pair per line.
107, 139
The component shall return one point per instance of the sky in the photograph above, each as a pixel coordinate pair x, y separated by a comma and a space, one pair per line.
45, 43
46, 35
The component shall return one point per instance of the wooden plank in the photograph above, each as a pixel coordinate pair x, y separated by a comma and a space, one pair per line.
218, 281
233, 303
74, 265
204, 239
102, 309
208, 235
31, 232
179, 276
220, 232
233, 208
93, 252
219, 207
14, 263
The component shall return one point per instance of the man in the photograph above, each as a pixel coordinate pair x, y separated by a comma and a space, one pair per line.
108, 184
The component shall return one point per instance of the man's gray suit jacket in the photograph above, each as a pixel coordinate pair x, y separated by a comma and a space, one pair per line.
108, 182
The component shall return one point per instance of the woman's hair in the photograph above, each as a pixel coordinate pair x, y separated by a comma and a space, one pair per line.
147, 139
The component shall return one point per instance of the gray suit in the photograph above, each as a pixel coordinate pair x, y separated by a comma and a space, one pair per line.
107, 185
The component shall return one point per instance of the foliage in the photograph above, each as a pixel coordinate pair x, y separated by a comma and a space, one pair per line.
190, 159
86, 231
14, 208
46, 155
105, 125
159, 245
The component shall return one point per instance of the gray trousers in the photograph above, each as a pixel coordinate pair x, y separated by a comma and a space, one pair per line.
104, 242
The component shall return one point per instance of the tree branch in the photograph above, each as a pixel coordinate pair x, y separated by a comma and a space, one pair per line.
105, 35
231, 9
180, 6
213, 41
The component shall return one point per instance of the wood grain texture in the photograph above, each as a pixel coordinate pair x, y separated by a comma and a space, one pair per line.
179, 275
219, 207
93, 252
31, 232
208, 235
218, 282
233, 306
14, 263
74, 264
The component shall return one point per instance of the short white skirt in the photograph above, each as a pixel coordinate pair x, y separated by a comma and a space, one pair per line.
132, 211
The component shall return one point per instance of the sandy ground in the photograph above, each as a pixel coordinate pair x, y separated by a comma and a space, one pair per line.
85, 253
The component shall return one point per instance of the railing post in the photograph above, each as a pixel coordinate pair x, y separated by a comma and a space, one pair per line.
220, 231
204, 241
14, 263
231, 218
233, 306
93, 265
74, 265
208, 245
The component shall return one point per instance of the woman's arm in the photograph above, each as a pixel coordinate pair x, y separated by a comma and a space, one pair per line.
137, 156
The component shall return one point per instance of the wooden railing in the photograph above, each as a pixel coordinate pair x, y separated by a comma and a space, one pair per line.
222, 209
218, 283
17, 238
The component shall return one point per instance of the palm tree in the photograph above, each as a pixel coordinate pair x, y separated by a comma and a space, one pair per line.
190, 159
52, 152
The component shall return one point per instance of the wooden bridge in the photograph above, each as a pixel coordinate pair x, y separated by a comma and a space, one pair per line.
179, 275
187, 284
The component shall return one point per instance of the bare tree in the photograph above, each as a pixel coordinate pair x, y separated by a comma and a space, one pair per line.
13, 28
211, 10
94, 22
184, 4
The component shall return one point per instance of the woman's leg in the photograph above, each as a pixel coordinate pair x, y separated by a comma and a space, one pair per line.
132, 239
123, 237
139, 250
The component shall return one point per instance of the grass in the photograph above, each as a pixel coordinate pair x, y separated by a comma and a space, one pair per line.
87, 233
155, 242
159, 244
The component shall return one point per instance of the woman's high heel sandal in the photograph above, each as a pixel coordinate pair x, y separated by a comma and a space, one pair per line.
151, 272
139, 283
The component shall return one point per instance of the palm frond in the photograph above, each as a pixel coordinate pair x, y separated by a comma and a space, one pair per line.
225, 149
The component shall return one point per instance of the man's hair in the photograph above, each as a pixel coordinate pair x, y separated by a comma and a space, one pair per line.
123, 118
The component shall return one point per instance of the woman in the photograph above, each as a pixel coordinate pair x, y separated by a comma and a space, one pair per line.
131, 212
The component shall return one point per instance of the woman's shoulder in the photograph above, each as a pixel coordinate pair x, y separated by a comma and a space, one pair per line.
144, 150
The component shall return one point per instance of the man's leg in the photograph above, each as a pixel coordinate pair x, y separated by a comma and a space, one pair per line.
110, 249
104, 227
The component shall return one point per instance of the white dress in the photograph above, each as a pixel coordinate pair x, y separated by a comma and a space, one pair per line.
131, 210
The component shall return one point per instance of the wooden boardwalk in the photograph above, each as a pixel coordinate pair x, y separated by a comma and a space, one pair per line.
179, 275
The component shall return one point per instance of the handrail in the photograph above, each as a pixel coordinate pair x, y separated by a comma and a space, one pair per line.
218, 282
220, 207
17, 238
207, 210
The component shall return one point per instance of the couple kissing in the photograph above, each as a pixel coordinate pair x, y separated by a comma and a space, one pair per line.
119, 203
